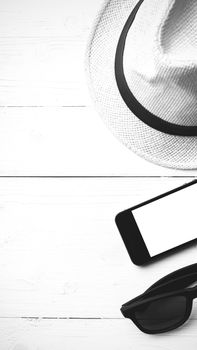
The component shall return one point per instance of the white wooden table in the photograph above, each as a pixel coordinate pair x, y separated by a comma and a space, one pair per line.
64, 271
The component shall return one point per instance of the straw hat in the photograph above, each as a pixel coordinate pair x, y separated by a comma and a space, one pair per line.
142, 69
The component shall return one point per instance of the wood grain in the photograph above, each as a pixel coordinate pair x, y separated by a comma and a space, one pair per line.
42, 48
66, 142
43, 71
31, 334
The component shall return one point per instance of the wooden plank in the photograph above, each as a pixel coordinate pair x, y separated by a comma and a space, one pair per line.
42, 72
66, 141
42, 48
29, 334
47, 18
61, 254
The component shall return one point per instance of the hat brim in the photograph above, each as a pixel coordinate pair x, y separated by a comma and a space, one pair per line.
160, 148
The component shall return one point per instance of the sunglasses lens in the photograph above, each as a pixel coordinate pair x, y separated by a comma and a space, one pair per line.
162, 314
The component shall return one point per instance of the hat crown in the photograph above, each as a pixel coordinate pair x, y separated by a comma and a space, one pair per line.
160, 59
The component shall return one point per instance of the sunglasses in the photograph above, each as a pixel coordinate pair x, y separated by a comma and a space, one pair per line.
166, 305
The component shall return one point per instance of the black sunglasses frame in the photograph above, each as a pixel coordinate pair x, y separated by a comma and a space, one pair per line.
172, 285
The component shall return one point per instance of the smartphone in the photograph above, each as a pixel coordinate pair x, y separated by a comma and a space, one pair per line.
160, 225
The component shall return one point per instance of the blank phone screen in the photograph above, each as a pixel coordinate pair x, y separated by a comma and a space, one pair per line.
169, 221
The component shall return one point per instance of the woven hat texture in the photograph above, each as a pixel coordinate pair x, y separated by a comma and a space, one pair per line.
160, 67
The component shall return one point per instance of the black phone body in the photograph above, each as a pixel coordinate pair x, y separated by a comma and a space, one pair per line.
173, 216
